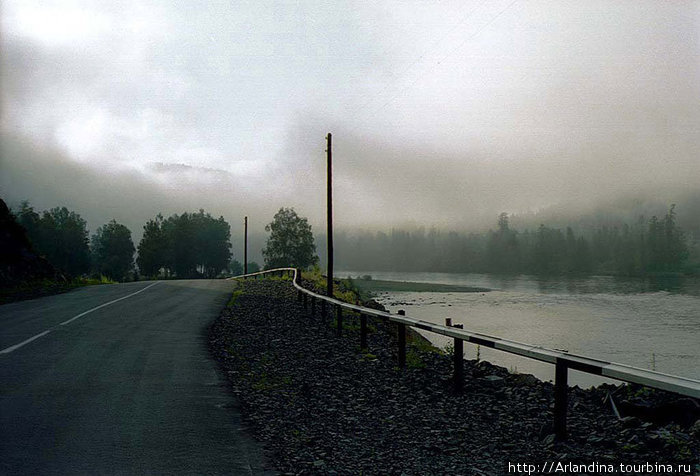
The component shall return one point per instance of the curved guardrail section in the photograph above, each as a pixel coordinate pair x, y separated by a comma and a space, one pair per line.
563, 361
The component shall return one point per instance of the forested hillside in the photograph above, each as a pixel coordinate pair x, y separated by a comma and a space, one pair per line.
654, 245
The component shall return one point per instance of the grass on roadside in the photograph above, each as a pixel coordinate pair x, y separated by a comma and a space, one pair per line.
344, 290
46, 287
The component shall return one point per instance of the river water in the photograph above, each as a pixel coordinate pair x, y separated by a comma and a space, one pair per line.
652, 324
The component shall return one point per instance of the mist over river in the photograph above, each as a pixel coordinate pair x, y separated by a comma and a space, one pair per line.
647, 323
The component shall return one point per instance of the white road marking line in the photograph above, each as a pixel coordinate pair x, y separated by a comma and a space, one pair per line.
106, 304
23, 343
17, 346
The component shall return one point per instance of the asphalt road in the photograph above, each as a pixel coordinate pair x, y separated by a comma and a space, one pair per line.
127, 388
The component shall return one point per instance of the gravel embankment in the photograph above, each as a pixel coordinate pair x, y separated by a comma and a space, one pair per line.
323, 406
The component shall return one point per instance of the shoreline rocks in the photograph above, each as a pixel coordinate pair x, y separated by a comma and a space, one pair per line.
321, 405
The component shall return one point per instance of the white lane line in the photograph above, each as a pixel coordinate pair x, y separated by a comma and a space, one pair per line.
17, 346
23, 343
106, 304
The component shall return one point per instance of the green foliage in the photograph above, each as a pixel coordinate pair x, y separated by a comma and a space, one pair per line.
421, 344
18, 261
235, 267
502, 248
450, 349
315, 277
101, 279
414, 360
60, 236
291, 243
345, 289
153, 248
234, 297
113, 251
667, 248
187, 245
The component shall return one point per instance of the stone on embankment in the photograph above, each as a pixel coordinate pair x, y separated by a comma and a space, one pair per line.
323, 406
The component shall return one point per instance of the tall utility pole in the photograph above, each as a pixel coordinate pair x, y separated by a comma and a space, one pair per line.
245, 247
329, 195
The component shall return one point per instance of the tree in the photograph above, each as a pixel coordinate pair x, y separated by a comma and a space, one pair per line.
31, 222
502, 249
212, 243
667, 247
253, 267
291, 243
549, 251
113, 251
60, 236
152, 248
18, 261
189, 245
235, 267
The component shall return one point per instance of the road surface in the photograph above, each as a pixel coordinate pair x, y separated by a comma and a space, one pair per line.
117, 379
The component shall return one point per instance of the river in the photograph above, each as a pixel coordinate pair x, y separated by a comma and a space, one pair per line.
652, 324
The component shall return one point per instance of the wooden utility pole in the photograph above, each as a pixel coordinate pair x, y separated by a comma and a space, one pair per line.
245, 247
329, 195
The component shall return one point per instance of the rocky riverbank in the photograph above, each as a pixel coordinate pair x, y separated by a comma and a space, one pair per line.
322, 405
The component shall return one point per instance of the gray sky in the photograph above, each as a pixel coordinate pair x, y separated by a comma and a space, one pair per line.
443, 113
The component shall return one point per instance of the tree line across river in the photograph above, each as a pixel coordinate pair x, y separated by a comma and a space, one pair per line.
648, 246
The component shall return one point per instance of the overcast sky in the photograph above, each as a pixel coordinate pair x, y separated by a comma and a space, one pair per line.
442, 113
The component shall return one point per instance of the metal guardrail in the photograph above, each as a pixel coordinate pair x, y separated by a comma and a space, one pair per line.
563, 361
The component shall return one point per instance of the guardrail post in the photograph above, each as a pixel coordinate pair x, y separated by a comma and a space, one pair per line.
401, 327
561, 376
299, 293
363, 331
339, 319
458, 362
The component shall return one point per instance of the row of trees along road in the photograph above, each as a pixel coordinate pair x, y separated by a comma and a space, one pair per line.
61, 236
187, 245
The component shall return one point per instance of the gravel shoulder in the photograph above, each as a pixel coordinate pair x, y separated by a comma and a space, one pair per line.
322, 405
